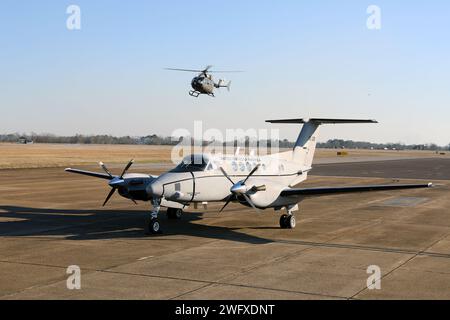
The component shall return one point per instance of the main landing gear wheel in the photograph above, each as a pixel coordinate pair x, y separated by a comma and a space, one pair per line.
283, 224
287, 221
154, 227
174, 214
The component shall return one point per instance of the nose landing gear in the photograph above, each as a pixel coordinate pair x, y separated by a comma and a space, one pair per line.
153, 226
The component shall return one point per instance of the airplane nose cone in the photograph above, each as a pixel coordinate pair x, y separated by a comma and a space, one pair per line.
155, 189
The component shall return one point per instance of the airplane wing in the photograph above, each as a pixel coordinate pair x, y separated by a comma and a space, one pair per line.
310, 192
90, 174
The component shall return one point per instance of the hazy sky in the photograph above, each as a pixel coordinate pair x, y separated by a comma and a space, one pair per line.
302, 59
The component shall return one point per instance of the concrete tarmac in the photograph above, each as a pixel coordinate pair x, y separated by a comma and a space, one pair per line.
50, 220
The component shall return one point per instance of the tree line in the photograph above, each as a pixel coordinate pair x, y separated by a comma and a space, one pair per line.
171, 141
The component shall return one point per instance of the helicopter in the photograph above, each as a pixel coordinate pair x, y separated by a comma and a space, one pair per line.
204, 83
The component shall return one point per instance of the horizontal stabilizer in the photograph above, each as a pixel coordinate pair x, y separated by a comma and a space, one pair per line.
321, 121
355, 189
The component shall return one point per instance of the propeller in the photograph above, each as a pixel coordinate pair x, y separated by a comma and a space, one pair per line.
116, 181
240, 189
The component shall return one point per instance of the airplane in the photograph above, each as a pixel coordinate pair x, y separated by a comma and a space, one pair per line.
260, 182
204, 83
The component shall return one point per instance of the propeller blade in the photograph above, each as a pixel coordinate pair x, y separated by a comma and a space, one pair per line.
230, 197
226, 176
109, 196
105, 169
247, 198
251, 173
126, 168
134, 201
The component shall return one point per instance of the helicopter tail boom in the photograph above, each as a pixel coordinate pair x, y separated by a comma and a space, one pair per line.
221, 84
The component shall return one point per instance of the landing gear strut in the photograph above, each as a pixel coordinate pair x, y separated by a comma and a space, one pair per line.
153, 226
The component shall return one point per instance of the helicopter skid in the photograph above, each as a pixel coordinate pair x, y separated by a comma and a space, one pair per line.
194, 94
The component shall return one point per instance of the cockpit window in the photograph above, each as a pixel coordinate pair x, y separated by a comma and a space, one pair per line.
192, 163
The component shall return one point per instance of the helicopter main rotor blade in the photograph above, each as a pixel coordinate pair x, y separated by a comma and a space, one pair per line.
185, 70
221, 71
207, 69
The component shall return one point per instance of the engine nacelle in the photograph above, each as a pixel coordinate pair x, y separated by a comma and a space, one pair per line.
267, 197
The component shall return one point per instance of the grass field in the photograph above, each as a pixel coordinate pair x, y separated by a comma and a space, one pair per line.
59, 155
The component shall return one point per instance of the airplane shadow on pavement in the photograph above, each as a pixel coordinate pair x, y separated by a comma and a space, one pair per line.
108, 224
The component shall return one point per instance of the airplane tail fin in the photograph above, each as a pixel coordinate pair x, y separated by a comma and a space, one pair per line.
305, 146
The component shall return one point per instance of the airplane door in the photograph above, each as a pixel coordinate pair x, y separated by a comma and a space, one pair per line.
192, 192
181, 190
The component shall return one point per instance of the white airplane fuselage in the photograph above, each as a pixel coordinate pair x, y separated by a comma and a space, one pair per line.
207, 183
261, 182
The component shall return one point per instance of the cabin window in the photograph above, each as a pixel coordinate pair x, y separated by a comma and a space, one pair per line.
242, 166
234, 166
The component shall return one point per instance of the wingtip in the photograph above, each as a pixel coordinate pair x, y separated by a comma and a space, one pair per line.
430, 185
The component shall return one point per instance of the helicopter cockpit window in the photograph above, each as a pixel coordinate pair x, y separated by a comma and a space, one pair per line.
192, 163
